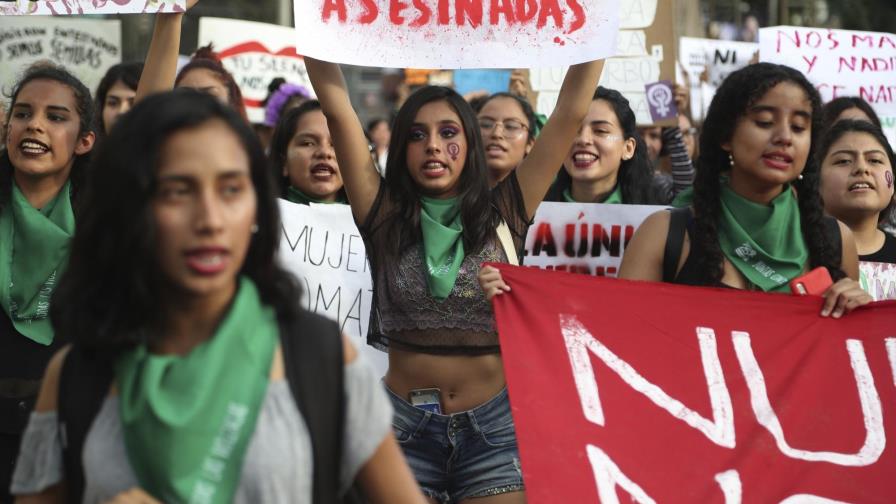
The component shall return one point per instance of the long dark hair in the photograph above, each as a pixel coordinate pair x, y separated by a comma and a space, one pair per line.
734, 97
840, 128
635, 175
283, 133
127, 73
86, 115
476, 212
832, 109
207, 58
111, 292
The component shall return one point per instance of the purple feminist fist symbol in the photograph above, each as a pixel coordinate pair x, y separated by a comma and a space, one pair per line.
889, 178
453, 151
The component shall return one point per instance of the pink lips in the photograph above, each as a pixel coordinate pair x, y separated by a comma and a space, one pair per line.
777, 160
207, 261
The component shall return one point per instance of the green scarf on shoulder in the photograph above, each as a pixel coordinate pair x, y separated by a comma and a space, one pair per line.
187, 420
34, 249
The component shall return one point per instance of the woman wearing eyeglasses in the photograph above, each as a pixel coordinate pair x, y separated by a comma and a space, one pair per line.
507, 123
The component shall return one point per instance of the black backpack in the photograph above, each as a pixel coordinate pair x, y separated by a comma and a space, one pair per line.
313, 360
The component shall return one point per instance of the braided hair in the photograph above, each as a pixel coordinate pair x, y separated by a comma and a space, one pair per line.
734, 97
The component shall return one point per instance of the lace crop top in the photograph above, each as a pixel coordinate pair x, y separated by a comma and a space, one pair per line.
405, 315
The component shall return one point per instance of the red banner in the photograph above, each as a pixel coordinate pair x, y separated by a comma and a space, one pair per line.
642, 392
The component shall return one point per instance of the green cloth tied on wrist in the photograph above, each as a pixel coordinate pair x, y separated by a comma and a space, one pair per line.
187, 420
764, 242
296, 196
443, 244
34, 250
614, 198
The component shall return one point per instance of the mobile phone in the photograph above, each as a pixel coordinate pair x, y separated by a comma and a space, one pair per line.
813, 283
428, 399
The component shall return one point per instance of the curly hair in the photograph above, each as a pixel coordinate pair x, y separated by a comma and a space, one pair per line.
735, 96
44, 70
635, 175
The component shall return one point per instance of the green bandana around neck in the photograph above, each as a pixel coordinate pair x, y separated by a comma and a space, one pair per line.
764, 242
296, 196
683, 199
443, 244
187, 420
34, 249
614, 198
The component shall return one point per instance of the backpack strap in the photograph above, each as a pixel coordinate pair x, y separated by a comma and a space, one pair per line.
313, 360
507, 243
678, 224
84, 383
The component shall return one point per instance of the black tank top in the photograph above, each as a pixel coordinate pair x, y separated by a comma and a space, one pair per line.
886, 254
682, 221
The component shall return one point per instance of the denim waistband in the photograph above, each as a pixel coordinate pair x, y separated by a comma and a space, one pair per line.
494, 411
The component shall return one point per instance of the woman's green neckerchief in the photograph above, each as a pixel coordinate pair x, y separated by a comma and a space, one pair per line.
34, 249
187, 420
296, 196
764, 242
443, 244
614, 198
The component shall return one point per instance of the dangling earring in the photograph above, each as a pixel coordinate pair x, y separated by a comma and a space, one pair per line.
731, 160
254, 228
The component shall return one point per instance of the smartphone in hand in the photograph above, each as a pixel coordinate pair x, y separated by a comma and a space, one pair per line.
813, 283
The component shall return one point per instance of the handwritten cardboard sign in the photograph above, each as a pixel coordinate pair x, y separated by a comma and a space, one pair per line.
646, 392
839, 63
81, 7
587, 238
322, 246
707, 63
457, 33
645, 53
86, 47
255, 53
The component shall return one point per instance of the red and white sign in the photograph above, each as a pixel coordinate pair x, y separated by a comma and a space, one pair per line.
646, 392
457, 33
587, 238
255, 53
81, 7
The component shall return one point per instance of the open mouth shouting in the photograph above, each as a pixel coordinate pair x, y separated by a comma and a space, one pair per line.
206, 261
32, 147
861, 186
433, 168
323, 172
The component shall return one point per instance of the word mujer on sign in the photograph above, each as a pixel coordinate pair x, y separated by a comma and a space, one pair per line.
457, 33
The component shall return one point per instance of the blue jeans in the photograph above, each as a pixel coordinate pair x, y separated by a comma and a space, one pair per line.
462, 455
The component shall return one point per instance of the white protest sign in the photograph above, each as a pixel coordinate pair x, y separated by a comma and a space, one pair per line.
255, 53
585, 238
645, 37
322, 246
708, 62
457, 33
839, 63
81, 7
86, 47
878, 279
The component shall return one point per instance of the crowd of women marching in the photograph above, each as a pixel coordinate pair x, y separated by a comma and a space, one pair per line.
153, 350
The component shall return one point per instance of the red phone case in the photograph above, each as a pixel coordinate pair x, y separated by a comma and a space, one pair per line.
813, 283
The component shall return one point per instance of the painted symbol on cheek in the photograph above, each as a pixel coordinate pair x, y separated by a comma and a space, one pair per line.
453, 151
889, 178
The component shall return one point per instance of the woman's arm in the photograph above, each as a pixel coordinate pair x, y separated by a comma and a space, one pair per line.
643, 258
538, 169
362, 181
47, 400
160, 68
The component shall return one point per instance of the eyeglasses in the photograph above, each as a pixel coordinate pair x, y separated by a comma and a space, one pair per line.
512, 129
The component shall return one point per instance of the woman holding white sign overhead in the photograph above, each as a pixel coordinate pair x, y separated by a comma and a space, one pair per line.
428, 226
